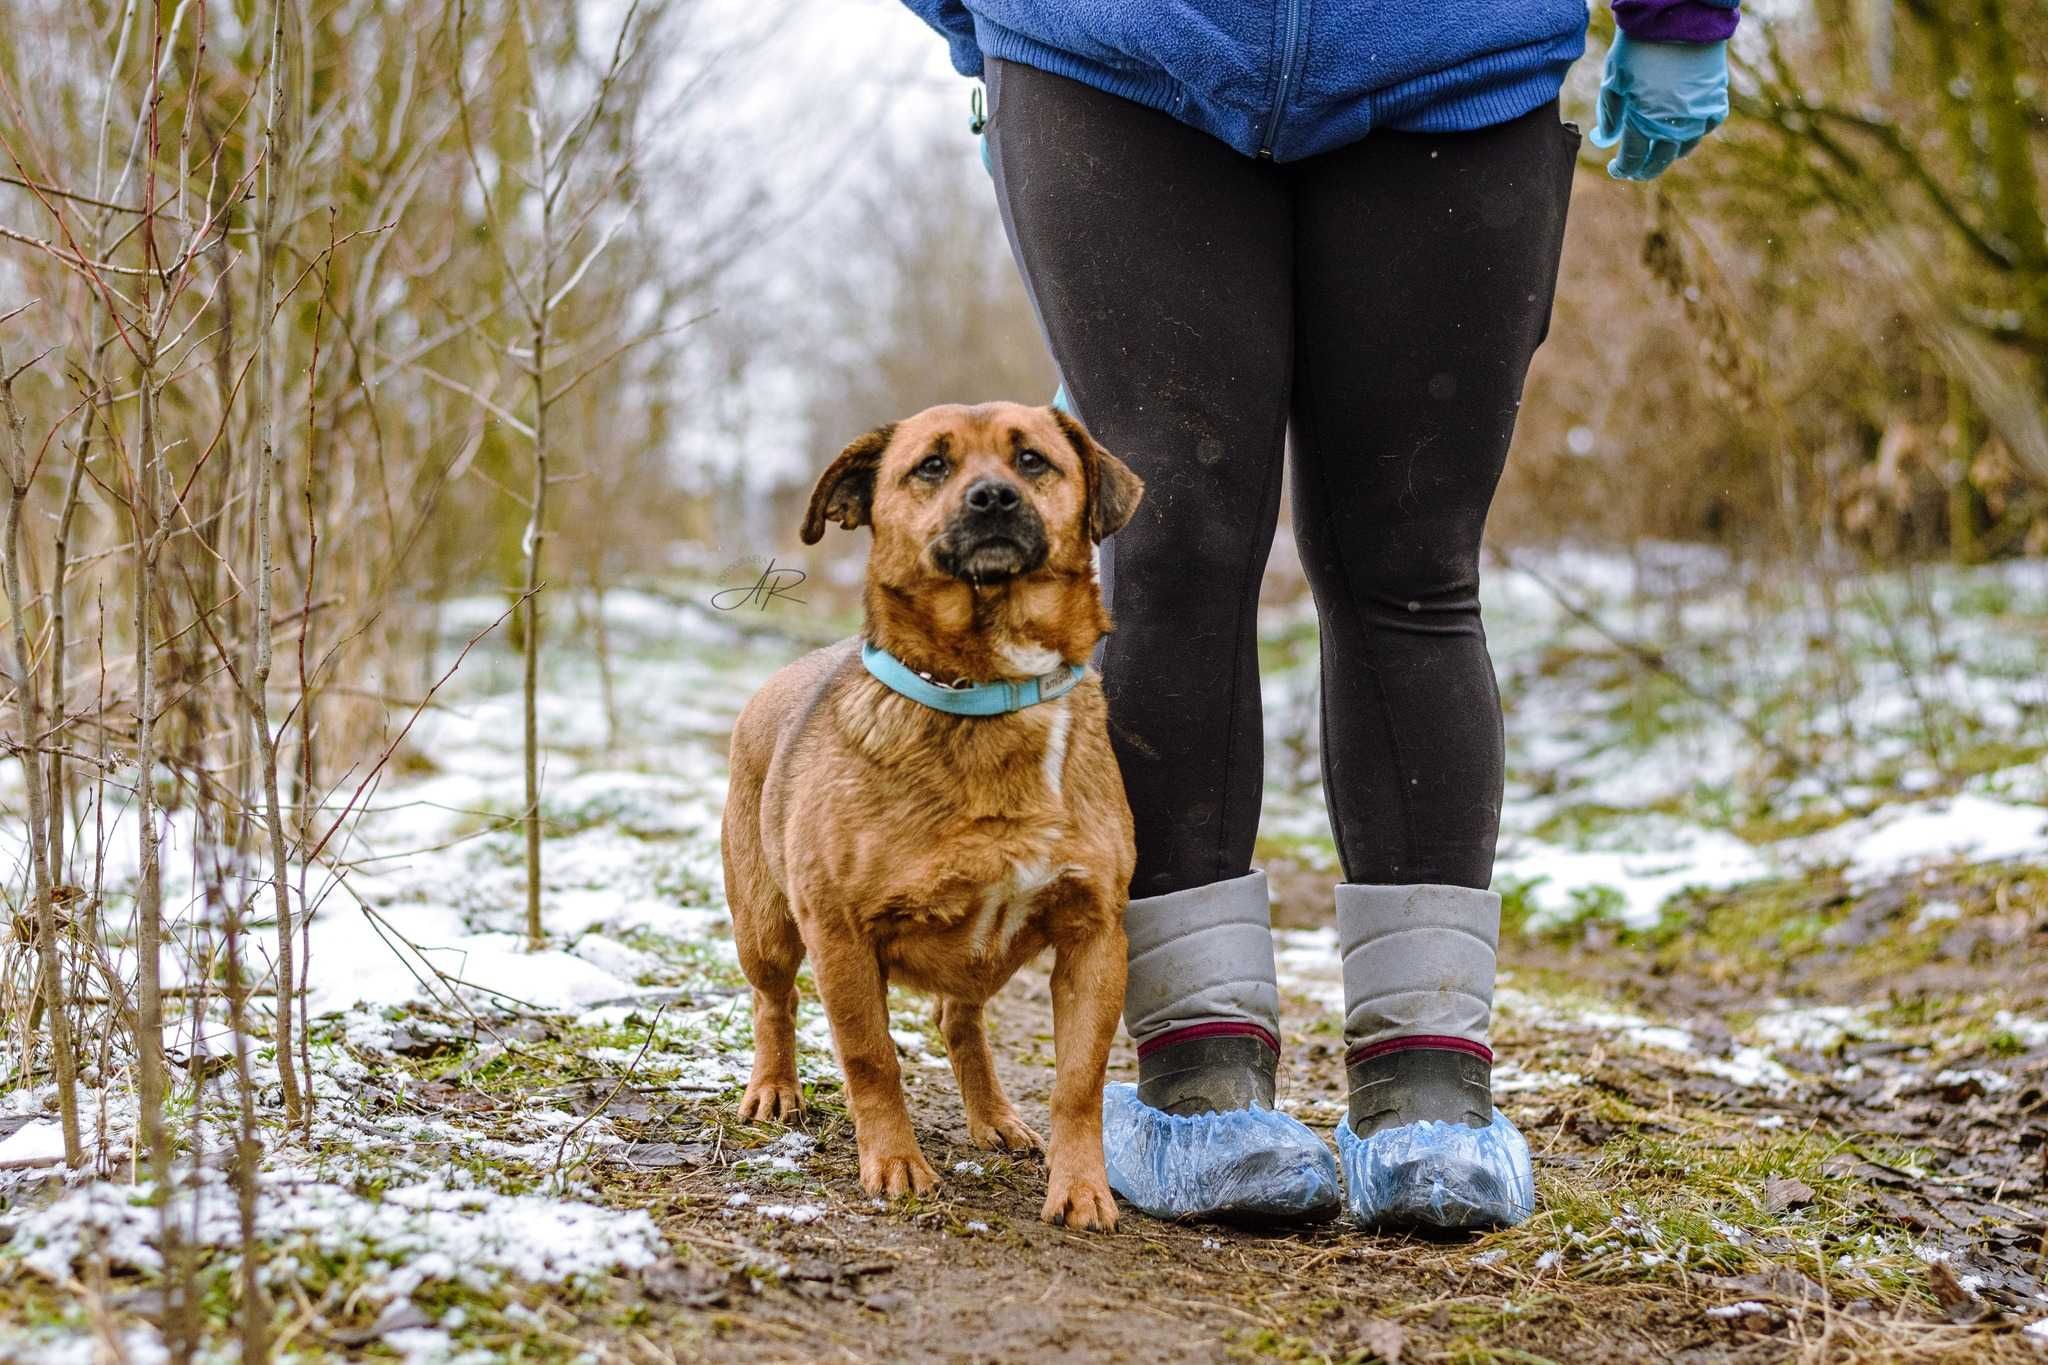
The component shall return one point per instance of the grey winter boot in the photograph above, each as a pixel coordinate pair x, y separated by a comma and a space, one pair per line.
1198, 1136
1423, 1145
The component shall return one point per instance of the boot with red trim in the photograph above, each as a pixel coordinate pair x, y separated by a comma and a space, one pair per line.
1423, 1147
1198, 1136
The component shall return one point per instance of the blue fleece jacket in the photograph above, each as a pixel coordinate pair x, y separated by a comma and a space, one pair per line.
1292, 78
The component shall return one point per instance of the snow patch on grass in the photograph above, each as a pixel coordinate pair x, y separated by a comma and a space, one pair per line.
1632, 886
1902, 838
412, 1235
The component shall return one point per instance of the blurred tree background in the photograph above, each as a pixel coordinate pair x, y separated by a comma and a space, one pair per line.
1824, 333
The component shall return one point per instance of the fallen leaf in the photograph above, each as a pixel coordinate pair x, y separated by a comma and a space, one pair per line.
1948, 1290
1782, 1193
692, 1286
406, 1043
1594, 1132
1382, 1339
1778, 1283
399, 1315
659, 1155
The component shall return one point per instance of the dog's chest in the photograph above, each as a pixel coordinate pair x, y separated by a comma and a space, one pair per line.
966, 936
973, 884
1006, 907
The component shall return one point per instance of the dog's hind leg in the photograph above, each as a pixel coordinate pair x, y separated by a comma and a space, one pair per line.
770, 948
992, 1121
770, 952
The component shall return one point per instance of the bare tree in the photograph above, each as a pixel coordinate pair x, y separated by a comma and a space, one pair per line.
562, 195
28, 712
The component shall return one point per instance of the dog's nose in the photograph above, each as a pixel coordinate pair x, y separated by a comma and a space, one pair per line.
992, 495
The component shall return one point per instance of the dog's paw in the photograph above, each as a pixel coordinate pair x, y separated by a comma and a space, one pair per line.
1082, 1202
772, 1102
1005, 1132
897, 1173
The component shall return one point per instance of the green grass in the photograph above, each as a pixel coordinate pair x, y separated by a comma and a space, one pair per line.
1296, 645
684, 962
1770, 929
1687, 1196
1574, 824
1313, 850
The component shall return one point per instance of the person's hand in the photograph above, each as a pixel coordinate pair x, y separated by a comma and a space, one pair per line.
1658, 100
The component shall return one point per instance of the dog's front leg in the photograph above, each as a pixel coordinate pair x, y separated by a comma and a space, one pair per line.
856, 998
1087, 1001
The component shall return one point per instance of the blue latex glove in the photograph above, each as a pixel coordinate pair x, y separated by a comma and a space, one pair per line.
1658, 100
1437, 1175
1251, 1165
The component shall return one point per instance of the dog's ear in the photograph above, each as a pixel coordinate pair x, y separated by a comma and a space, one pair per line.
846, 491
1113, 490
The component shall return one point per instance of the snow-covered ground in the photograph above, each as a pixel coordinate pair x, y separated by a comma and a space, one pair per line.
1916, 713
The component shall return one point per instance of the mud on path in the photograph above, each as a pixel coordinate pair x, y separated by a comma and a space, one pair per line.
1873, 1191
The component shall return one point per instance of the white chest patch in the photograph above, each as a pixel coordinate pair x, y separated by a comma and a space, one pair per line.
1054, 764
1028, 658
1007, 906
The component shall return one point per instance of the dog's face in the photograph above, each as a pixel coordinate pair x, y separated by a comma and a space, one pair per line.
983, 495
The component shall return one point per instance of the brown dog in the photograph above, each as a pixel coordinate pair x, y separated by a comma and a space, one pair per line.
891, 840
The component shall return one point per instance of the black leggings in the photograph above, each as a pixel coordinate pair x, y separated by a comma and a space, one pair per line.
1385, 300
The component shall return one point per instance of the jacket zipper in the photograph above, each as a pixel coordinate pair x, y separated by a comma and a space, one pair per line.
1286, 79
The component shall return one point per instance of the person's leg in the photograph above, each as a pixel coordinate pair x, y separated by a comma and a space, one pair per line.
1425, 268
1160, 264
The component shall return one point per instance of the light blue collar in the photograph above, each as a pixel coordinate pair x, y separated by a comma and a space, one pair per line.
969, 699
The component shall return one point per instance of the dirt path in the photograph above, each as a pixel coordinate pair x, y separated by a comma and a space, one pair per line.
971, 1274
1635, 1153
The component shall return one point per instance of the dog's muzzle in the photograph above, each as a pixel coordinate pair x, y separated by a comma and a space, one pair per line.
994, 535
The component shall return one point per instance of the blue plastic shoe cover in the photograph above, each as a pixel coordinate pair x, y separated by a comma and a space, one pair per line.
1437, 1175
1252, 1164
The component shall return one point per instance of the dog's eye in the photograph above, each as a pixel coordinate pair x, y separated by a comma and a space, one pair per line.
933, 467
1031, 462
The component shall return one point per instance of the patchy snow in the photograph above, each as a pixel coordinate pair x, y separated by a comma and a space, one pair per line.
1307, 965
786, 1153
1810, 1028
39, 1143
2030, 1032
1558, 881
1902, 838
791, 1213
1988, 1081
421, 1232
429, 914
1935, 912
1742, 1309
1509, 1078
1751, 1067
